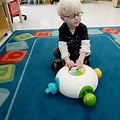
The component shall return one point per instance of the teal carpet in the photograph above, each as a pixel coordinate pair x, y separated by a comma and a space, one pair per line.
22, 95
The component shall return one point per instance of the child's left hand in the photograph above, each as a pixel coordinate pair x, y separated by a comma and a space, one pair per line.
80, 60
79, 63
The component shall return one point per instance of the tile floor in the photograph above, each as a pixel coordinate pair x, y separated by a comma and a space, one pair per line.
44, 16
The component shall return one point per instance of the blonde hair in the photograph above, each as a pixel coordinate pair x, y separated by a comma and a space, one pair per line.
67, 7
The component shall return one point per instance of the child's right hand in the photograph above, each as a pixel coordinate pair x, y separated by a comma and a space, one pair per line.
69, 63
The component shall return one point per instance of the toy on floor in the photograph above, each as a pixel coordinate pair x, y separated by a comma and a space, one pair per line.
76, 83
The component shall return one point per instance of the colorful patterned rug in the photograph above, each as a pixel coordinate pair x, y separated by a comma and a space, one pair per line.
25, 72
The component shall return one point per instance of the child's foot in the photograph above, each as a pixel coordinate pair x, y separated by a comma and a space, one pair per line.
57, 64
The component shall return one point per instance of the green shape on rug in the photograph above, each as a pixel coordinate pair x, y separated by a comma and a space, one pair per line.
22, 37
7, 73
117, 41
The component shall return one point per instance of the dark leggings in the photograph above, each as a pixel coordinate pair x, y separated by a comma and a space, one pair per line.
57, 54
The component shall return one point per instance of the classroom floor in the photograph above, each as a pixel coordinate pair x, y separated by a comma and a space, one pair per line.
44, 16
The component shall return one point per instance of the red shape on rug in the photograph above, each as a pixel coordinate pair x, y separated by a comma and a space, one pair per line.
42, 34
12, 57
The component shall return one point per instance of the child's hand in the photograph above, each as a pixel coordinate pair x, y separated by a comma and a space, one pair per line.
79, 63
69, 63
80, 60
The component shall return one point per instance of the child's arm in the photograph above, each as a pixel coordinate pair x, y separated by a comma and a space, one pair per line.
85, 47
80, 60
63, 49
84, 51
65, 54
69, 63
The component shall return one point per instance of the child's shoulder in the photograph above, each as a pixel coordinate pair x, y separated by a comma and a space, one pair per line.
63, 27
82, 25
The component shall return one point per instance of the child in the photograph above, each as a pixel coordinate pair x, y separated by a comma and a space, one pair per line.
74, 44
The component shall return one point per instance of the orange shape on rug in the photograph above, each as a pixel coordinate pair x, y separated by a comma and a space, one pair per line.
42, 34
111, 30
13, 56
